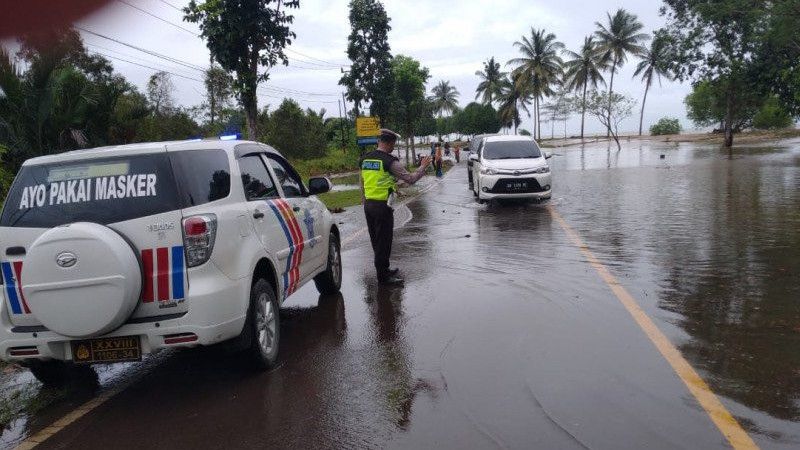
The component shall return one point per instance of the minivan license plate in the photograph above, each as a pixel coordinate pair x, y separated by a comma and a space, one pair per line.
113, 349
517, 185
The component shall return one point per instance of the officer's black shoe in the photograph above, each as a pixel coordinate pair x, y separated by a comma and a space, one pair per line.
391, 281
393, 272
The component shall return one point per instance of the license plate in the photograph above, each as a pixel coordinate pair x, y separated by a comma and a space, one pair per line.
114, 349
517, 185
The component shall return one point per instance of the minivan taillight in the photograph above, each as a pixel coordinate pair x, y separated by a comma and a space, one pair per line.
199, 233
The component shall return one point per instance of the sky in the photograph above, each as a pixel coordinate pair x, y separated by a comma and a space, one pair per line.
451, 38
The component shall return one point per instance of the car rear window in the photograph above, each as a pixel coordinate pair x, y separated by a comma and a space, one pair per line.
511, 150
203, 175
99, 190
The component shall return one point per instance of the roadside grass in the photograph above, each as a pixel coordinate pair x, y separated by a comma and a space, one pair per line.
335, 161
353, 180
26, 399
337, 201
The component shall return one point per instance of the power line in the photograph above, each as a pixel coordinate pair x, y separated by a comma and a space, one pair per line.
147, 67
144, 50
159, 18
171, 5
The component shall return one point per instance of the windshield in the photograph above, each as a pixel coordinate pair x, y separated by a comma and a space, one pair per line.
511, 150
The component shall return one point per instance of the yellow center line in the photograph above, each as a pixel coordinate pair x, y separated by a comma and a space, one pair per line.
725, 422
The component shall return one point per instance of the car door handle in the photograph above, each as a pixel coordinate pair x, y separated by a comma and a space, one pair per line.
296, 209
258, 215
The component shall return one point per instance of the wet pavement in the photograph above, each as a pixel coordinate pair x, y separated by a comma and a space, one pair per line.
505, 336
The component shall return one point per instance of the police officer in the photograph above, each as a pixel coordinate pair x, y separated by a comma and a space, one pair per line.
380, 171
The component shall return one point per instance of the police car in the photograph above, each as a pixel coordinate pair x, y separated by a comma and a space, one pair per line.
510, 167
112, 253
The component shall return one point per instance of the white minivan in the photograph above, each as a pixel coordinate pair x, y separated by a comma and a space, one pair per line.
510, 167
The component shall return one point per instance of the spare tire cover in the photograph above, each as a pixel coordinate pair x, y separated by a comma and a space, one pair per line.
81, 280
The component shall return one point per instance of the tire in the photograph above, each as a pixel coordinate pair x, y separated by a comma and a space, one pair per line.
329, 282
263, 326
52, 374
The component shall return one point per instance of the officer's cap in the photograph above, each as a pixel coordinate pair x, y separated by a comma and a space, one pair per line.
388, 135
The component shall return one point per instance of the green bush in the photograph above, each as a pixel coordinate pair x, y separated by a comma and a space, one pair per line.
772, 115
665, 125
334, 161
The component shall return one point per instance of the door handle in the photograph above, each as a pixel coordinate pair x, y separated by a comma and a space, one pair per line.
296, 209
258, 215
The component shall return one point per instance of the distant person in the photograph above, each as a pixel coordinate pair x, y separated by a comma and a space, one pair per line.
437, 161
457, 152
447, 149
379, 173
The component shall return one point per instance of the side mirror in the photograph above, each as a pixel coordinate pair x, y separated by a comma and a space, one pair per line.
473, 157
319, 185
548, 155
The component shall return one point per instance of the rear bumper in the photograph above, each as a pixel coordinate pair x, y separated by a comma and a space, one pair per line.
217, 312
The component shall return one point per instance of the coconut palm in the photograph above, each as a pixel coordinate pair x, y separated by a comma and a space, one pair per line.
444, 98
582, 70
618, 39
539, 67
491, 85
513, 97
653, 62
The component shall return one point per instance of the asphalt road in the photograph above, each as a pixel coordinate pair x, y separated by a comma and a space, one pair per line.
515, 329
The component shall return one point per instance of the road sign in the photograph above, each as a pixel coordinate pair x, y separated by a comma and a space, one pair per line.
367, 127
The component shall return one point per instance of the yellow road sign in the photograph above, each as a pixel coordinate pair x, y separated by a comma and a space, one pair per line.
367, 126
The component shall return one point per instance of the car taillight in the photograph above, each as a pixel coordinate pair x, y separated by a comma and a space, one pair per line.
199, 234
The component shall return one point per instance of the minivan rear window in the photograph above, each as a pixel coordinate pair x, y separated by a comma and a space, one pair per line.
99, 190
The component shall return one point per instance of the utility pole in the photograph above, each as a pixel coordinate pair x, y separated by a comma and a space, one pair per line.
341, 123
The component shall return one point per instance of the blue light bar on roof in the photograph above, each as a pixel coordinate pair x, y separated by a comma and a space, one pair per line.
229, 137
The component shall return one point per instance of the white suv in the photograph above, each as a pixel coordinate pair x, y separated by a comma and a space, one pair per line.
111, 253
510, 167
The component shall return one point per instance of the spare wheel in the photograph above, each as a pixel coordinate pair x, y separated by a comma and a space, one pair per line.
81, 280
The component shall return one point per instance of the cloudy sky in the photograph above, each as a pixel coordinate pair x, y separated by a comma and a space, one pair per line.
451, 38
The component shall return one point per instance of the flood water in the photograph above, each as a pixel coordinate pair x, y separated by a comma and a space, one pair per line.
711, 243
504, 336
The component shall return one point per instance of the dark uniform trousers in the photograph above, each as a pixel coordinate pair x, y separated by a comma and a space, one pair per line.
380, 223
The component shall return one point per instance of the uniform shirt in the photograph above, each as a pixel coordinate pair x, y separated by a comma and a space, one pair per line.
399, 171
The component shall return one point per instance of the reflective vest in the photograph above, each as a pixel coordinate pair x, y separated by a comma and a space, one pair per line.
378, 181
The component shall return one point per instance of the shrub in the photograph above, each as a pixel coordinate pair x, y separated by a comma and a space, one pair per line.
523, 132
665, 125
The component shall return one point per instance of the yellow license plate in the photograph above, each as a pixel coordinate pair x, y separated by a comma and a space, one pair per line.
105, 350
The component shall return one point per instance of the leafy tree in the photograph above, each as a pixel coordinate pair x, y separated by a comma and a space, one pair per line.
370, 77
665, 125
409, 95
514, 97
491, 86
159, 93
732, 45
524, 132
219, 90
539, 67
582, 71
558, 110
616, 40
772, 115
477, 118
243, 35
654, 62
444, 98
296, 133
610, 109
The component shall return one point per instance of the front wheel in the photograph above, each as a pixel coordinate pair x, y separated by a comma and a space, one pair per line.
330, 281
263, 325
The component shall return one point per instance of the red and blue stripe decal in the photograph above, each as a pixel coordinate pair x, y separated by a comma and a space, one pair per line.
12, 280
164, 274
294, 236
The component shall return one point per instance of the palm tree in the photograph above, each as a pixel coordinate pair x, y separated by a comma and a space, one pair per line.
654, 62
615, 41
444, 98
583, 70
539, 67
491, 85
513, 97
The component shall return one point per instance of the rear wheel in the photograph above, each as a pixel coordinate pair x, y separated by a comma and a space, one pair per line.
330, 281
263, 325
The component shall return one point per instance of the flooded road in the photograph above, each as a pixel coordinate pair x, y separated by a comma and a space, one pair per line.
505, 335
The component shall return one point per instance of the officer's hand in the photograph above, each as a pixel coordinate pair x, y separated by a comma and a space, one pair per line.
426, 161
